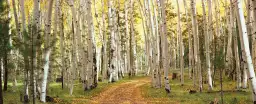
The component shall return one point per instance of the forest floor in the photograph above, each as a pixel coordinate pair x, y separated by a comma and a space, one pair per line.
138, 90
125, 93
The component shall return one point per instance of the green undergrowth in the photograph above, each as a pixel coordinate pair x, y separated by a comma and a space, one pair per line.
63, 96
180, 94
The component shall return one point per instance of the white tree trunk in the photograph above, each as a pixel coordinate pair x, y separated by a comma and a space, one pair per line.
128, 67
207, 34
75, 30
253, 2
47, 51
104, 61
246, 46
229, 55
190, 52
196, 42
113, 52
164, 47
180, 44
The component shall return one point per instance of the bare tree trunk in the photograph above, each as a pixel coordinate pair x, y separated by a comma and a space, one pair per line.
35, 31
104, 61
48, 50
132, 42
253, 2
180, 44
24, 47
190, 52
1, 93
229, 54
241, 21
207, 34
62, 43
157, 49
164, 47
113, 52
127, 38
81, 63
91, 46
242, 64
196, 42
153, 50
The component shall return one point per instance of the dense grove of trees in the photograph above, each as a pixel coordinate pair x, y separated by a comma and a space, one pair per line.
42, 41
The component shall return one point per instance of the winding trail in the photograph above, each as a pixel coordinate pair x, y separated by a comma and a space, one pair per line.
124, 93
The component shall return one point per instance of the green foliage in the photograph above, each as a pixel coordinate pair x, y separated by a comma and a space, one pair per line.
4, 27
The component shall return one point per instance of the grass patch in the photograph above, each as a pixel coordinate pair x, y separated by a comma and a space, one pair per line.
180, 94
79, 95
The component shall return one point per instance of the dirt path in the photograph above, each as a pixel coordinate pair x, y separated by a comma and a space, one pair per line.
125, 93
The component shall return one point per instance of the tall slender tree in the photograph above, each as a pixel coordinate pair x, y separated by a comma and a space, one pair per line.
207, 32
48, 50
180, 44
196, 43
1, 93
241, 21
164, 46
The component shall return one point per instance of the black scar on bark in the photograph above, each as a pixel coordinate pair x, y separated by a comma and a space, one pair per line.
26, 100
167, 90
112, 66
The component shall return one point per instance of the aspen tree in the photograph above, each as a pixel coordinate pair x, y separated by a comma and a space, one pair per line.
91, 48
98, 49
180, 44
35, 27
250, 31
75, 30
164, 47
196, 42
24, 47
232, 23
149, 56
229, 54
104, 61
113, 67
241, 21
253, 2
190, 54
207, 33
48, 50
81, 53
242, 60
128, 62
152, 67
132, 43
156, 51
62, 42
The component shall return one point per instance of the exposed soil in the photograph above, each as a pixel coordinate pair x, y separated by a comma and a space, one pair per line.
124, 93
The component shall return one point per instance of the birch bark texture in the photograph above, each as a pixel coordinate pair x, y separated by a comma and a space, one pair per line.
47, 50
180, 44
246, 46
164, 47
